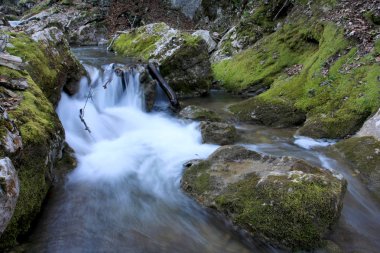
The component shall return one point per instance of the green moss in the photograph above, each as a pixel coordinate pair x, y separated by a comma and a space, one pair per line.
201, 178
336, 92
294, 214
377, 47
265, 60
48, 69
136, 44
363, 154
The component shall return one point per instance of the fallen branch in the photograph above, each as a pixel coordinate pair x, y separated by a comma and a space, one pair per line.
81, 116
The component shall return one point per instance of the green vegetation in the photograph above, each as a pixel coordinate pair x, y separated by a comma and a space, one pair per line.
336, 88
135, 44
364, 155
293, 214
40, 129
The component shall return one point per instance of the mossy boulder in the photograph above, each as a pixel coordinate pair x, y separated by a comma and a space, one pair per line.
183, 58
198, 113
48, 66
272, 113
280, 200
218, 133
337, 87
363, 153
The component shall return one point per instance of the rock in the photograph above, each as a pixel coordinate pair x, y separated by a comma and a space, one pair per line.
371, 127
11, 140
81, 26
50, 65
183, 58
194, 112
364, 155
14, 84
11, 61
280, 200
188, 7
4, 38
270, 113
149, 94
9, 192
218, 133
3, 20
205, 35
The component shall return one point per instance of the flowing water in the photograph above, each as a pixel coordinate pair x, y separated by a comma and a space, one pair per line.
124, 196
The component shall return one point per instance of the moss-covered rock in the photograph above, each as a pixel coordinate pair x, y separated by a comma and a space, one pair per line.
336, 88
49, 60
278, 113
283, 201
364, 155
198, 113
183, 58
218, 133
48, 67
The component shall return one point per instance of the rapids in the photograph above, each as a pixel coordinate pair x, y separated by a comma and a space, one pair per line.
124, 195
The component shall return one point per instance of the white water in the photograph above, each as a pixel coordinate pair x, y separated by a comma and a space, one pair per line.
124, 196
124, 140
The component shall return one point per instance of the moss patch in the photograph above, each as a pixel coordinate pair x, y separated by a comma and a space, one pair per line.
336, 88
293, 214
51, 66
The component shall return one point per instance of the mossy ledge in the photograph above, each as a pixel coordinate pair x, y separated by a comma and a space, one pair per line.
310, 68
48, 67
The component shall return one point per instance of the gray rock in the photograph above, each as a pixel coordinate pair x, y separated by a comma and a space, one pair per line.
10, 61
371, 127
9, 192
194, 112
11, 140
205, 35
188, 7
218, 133
280, 200
15, 84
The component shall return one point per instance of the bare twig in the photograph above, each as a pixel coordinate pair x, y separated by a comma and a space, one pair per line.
81, 116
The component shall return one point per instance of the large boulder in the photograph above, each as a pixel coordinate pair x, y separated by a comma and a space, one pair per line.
270, 113
198, 113
183, 58
280, 200
10, 188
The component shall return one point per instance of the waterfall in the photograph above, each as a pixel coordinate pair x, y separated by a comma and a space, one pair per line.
124, 195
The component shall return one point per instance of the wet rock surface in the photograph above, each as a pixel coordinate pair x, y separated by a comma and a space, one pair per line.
281, 200
363, 153
218, 133
198, 113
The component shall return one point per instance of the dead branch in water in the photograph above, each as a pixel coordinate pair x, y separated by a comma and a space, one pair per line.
81, 114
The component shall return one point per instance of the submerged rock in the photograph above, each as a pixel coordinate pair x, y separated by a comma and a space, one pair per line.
363, 153
182, 57
9, 192
218, 133
280, 200
198, 113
